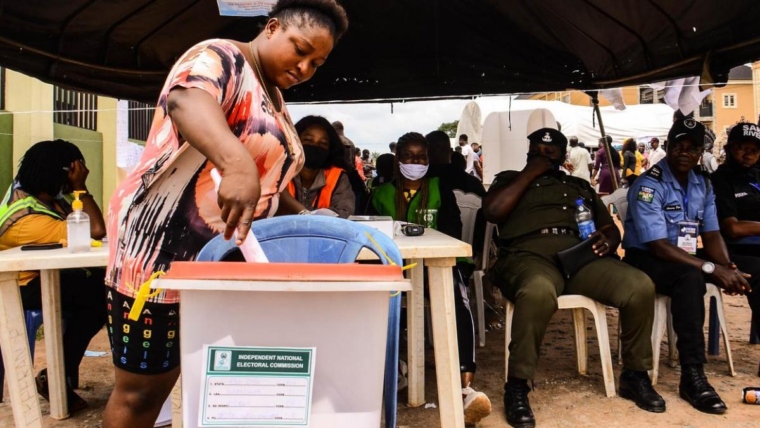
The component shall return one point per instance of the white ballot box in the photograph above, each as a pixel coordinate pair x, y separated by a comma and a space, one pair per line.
283, 344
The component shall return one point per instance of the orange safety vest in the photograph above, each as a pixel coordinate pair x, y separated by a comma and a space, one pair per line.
332, 175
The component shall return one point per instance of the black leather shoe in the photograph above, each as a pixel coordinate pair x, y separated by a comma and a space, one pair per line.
637, 387
516, 405
695, 389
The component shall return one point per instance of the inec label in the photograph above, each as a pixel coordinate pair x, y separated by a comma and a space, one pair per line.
256, 387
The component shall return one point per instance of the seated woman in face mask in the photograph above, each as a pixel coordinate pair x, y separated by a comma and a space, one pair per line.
406, 198
323, 182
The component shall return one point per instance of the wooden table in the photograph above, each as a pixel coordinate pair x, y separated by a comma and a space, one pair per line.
438, 252
13, 338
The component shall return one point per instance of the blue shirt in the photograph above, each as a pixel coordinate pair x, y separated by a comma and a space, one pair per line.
657, 203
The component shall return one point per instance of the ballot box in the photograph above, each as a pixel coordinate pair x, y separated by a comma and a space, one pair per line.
283, 344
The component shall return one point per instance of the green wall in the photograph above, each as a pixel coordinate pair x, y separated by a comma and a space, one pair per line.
91, 145
6, 151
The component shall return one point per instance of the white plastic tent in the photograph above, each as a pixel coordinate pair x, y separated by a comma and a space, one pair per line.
503, 130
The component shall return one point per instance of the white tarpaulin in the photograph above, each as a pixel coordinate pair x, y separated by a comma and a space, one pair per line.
502, 126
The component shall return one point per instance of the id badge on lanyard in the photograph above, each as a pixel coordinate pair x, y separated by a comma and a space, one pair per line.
688, 231
687, 236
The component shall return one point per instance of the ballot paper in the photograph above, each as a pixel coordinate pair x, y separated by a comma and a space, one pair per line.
256, 386
251, 249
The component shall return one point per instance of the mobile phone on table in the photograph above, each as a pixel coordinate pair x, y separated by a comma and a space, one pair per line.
35, 247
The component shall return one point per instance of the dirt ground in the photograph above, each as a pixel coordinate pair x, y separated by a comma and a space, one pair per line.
562, 397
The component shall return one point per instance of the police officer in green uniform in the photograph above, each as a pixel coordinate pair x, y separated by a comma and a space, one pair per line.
535, 211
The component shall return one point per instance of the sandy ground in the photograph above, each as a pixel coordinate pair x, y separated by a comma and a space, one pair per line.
562, 397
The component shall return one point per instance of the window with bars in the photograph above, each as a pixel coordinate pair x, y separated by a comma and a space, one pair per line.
729, 100
75, 108
140, 118
2, 88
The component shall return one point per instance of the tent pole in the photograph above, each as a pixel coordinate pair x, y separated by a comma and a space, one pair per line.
607, 149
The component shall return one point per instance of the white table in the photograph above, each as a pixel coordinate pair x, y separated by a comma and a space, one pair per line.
13, 338
438, 252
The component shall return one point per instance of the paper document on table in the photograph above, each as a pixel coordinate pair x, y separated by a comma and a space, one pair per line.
256, 386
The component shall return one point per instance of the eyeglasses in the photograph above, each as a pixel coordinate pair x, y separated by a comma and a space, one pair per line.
686, 149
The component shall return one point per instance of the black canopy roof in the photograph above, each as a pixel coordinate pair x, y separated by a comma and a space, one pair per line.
395, 49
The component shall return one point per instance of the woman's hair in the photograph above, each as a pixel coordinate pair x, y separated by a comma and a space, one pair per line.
401, 204
629, 144
322, 13
335, 158
42, 167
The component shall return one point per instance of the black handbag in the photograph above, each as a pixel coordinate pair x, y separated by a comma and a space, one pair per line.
577, 256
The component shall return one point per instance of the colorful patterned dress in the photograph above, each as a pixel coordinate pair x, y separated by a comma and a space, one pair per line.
166, 209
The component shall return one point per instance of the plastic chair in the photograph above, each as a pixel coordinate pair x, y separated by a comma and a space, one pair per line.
618, 199
317, 239
577, 303
33, 320
662, 318
478, 280
469, 204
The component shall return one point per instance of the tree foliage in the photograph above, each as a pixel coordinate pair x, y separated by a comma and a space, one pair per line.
450, 128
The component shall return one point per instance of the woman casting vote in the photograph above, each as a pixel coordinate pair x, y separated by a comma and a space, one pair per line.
220, 107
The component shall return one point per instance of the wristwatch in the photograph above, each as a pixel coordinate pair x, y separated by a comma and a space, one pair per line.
708, 267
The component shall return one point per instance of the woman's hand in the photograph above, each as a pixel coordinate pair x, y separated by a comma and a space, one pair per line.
78, 173
238, 196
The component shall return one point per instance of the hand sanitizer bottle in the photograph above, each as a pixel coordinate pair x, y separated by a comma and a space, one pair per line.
78, 226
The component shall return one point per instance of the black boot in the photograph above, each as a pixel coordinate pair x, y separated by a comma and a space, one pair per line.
695, 389
637, 387
516, 405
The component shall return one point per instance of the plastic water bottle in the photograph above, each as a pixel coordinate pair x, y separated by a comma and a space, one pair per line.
78, 227
585, 219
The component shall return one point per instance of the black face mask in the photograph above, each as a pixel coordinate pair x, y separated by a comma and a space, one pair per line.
315, 156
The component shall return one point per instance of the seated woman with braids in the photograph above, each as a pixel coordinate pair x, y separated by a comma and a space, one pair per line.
323, 182
403, 198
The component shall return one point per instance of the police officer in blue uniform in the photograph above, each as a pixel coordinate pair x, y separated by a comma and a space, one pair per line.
535, 211
669, 206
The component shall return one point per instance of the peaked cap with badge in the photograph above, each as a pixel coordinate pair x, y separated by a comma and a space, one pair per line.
548, 136
687, 128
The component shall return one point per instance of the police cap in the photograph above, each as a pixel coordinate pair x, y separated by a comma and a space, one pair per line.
549, 136
687, 128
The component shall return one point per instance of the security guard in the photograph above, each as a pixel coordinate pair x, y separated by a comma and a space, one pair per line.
668, 208
737, 197
535, 211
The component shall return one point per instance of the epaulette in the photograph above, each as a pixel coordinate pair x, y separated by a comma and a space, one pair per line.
655, 172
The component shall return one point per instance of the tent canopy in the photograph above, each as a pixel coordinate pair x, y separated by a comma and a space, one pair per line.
395, 49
